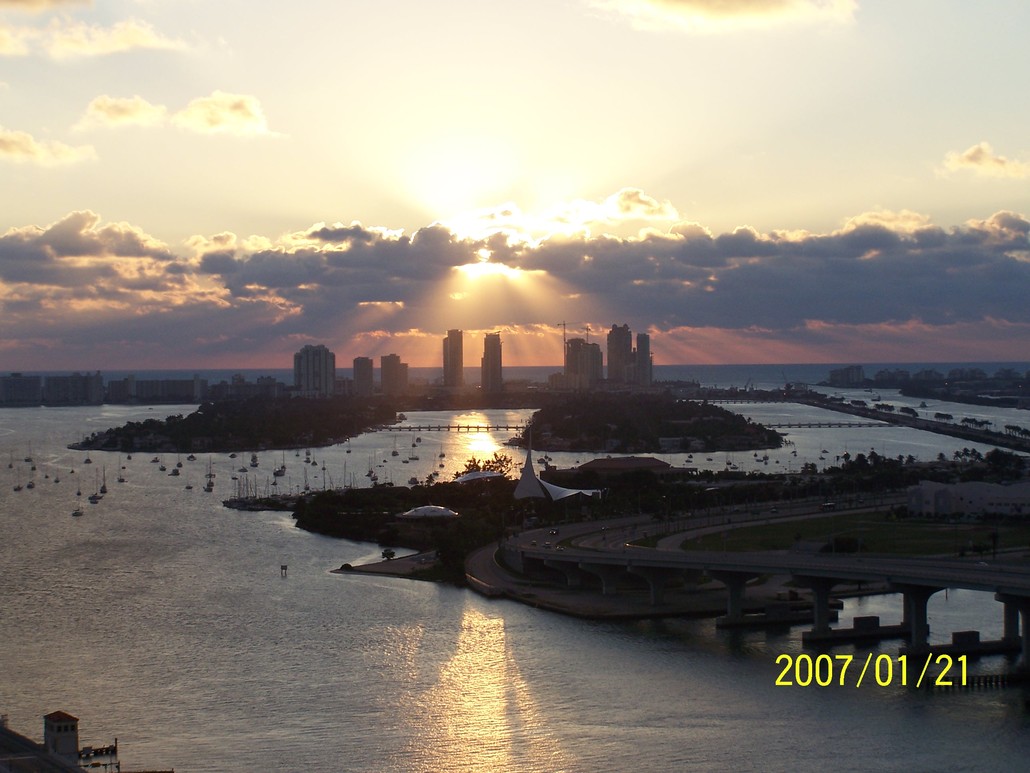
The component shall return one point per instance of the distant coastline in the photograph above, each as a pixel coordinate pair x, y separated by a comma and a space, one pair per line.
727, 375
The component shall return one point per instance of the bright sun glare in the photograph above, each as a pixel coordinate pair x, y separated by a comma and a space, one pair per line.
483, 269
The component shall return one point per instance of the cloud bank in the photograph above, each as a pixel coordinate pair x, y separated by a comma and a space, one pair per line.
885, 286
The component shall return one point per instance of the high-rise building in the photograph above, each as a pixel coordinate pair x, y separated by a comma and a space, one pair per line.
394, 374
642, 364
620, 355
76, 389
314, 371
491, 381
364, 381
584, 364
453, 360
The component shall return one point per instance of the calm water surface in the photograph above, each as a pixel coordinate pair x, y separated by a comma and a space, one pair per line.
161, 618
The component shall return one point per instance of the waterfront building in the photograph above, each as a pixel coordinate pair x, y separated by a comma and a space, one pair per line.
851, 376
491, 379
620, 355
133, 390
75, 389
61, 734
584, 364
238, 388
364, 380
393, 374
19, 389
453, 360
314, 371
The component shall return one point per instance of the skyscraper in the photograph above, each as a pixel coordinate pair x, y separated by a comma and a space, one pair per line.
491, 381
620, 355
642, 361
584, 364
363, 378
453, 360
394, 374
314, 371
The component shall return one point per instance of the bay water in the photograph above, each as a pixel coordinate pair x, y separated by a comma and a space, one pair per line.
162, 618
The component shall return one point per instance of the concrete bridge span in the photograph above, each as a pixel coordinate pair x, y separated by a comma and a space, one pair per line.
916, 578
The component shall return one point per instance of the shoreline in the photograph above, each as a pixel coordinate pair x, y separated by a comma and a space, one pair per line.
485, 575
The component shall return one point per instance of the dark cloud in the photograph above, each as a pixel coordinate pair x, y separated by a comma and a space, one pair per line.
346, 280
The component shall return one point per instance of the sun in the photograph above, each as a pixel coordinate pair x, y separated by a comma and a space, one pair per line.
486, 269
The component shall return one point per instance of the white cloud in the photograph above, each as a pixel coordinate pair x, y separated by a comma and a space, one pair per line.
16, 41
982, 160
219, 113
67, 40
223, 113
22, 147
40, 5
121, 111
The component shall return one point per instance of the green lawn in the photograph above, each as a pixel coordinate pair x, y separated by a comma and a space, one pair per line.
876, 533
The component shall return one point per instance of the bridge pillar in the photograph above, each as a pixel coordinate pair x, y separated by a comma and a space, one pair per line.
820, 587
573, 576
1010, 632
656, 580
1017, 607
915, 599
736, 586
607, 573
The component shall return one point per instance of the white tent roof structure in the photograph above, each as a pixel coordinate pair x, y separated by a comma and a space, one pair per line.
478, 475
530, 485
429, 511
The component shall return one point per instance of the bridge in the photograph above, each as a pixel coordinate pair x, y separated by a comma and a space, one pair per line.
916, 578
817, 424
451, 428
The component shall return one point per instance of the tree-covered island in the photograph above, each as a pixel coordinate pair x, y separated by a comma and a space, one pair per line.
600, 422
643, 423
256, 423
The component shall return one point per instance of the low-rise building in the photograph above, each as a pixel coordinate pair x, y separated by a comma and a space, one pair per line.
972, 498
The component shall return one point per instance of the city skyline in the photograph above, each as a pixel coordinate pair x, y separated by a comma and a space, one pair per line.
794, 181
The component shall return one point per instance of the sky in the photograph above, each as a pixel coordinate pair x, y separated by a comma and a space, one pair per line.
215, 183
